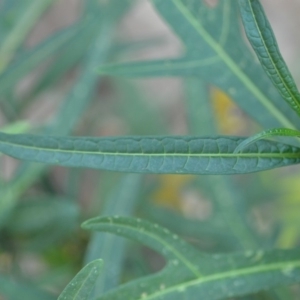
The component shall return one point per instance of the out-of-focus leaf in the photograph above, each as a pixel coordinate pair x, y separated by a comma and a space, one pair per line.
229, 204
231, 208
74, 105
83, 91
32, 58
211, 56
141, 116
20, 30
204, 231
82, 284
199, 111
122, 201
44, 221
17, 127
263, 41
190, 274
34, 215
17, 290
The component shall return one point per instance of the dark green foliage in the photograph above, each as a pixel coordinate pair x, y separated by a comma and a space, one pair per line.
154, 235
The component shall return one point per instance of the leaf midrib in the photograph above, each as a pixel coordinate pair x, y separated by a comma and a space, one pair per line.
230, 274
232, 65
164, 154
82, 284
162, 242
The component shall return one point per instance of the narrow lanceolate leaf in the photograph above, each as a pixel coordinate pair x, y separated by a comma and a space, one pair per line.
208, 35
19, 32
83, 283
190, 274
32, 58
156, 154
263, 41
75, 104
121, 201
267, 134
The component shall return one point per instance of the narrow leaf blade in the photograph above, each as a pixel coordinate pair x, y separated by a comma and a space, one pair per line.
152, 235
82, 284
156, 154
190, 274
20, 30
263, 41
76, 102
121, 201
216, 61
267, 134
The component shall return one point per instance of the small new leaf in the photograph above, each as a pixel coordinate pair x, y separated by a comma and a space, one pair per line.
267, 134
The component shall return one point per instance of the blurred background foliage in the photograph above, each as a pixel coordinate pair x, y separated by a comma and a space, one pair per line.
49, 53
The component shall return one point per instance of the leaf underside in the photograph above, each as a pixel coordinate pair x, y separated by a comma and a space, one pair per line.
156, 154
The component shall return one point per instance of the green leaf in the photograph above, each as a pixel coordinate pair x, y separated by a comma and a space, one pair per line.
65, 43
82, 284
16, 289
43, 222
209, 35
141, 116
68, 56
199, 111
190, 274
19, 32
263, 41
83, 91
169, 154
75, 49
212, 229
33, 57
267, 134
121, 201
17, 127
230, 217
73, 107
228, 201
44, 214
